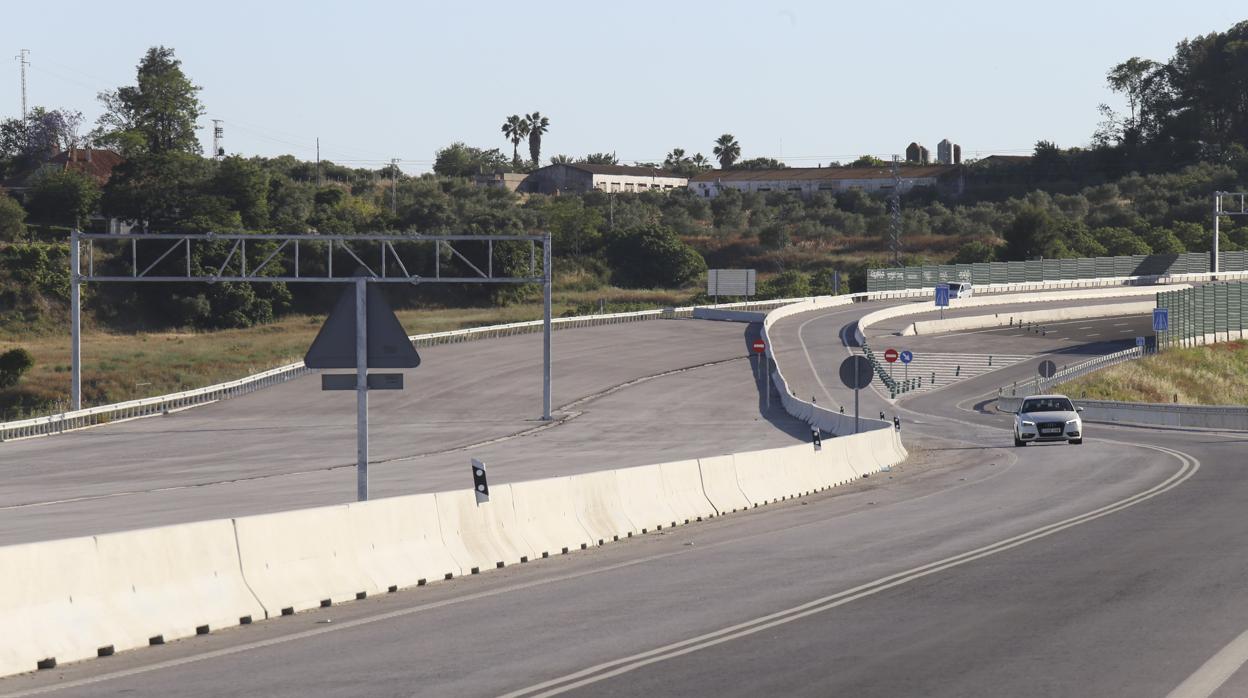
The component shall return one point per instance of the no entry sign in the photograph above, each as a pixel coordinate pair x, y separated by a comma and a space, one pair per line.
759, 346
890, 355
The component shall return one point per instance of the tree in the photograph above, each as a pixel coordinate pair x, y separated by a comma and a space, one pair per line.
246, 187
652, 256
1033, 233
727, 150
600, 159
516, 129
65, 197
867, 161
537, 125
788, 284
156, 115
157, 191
28, 142
760, 164
1132, 78
12, 219
774, 237
974, 252
561, 159
13, 363
459, 160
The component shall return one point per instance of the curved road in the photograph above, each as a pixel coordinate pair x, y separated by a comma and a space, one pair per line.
1114, 568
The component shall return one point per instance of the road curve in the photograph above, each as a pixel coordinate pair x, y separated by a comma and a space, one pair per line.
978, 569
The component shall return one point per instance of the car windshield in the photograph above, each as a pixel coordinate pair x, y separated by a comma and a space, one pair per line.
1047, 404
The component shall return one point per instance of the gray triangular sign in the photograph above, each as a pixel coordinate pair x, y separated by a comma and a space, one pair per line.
388, 345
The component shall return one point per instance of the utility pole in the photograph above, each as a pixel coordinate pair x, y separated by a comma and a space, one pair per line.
218, 132
318, 162
21, 59
394, 186
894, 210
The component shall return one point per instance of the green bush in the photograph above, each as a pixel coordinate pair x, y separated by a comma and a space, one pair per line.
14, 363
652, 256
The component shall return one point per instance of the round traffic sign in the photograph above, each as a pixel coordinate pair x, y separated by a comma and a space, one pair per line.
1046, 369
890, 355
759, 346
856, 372
906, 357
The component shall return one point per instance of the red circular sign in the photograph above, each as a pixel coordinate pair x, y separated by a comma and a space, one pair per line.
759, 346
890, 355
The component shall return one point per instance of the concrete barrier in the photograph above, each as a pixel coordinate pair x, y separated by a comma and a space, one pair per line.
172, 582
301, 559
546, 514
719, 482
682, 486
645, 499
767, 476
599, 507
728, 315
832, 463
51, 606
481, 536
976, 322
398, 541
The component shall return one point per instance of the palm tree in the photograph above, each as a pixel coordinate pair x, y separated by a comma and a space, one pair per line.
561, 160
515, 129
699, 161
727, 150
676, 158
537, 125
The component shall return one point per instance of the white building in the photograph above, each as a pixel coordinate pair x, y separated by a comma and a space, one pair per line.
581, 177
806, 181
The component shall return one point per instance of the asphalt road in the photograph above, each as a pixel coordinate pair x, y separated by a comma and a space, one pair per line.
632, 394
1114, 568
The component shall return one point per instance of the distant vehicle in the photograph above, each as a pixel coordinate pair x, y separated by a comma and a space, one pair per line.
1047, 418
960, 289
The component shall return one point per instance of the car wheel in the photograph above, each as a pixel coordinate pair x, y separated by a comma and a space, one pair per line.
1076, 442
1019, 442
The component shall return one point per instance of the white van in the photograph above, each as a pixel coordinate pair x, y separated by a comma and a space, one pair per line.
960, 289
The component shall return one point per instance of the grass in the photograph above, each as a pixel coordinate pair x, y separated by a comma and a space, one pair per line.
1216, 374
126, 366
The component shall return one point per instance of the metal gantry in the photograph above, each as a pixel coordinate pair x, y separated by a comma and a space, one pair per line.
309, 258
1238, 207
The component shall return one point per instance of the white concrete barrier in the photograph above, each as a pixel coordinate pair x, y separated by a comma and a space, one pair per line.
546, 514
172, 582
398, 541
50, 605
976, 322
482, 535
645, 499
682, 485
301, 559
600, 508
719, 482
832, 463
767, 476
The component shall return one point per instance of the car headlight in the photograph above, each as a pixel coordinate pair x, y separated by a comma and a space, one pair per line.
1073, 421
1028, 424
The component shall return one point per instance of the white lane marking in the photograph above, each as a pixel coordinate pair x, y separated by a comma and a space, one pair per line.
1121, 331
1214, 672
1088, 327
1119, 324
1188, 467
1094, 334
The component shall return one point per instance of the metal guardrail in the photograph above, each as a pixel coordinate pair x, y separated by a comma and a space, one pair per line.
164, 404
1008, 395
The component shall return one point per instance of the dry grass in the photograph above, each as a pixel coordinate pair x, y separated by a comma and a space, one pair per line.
1211, 375
119, 367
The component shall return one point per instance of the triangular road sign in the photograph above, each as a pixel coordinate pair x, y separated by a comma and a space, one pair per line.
388, 345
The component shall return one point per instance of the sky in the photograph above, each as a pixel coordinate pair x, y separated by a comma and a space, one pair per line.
805, 82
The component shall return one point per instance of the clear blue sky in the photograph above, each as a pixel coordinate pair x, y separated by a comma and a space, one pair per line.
803, 81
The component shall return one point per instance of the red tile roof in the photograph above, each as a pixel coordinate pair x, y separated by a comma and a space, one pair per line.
823, 173
96, 162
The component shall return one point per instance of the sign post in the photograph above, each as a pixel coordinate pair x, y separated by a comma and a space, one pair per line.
942, 298
856, 373
890, 355
760, 348
906, 357
362, 332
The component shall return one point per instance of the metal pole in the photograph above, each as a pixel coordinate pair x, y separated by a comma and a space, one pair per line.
75, 327
855, 410
361, 389
546, 328
1217, 210
767, 380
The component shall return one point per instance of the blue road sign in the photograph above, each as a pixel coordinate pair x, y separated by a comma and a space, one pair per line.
906, 357
942, 295
1139, 341
1161, 319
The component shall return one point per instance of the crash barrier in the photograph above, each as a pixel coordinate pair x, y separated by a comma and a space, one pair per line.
1053, 270
1011, 394
165, 404
1204, 314
1164, 414
68, 600
1027, 318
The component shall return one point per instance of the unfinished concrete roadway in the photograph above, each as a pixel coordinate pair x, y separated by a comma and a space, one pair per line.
1113, 568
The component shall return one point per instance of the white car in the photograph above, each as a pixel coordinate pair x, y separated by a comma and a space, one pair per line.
1047, 418
960, 289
